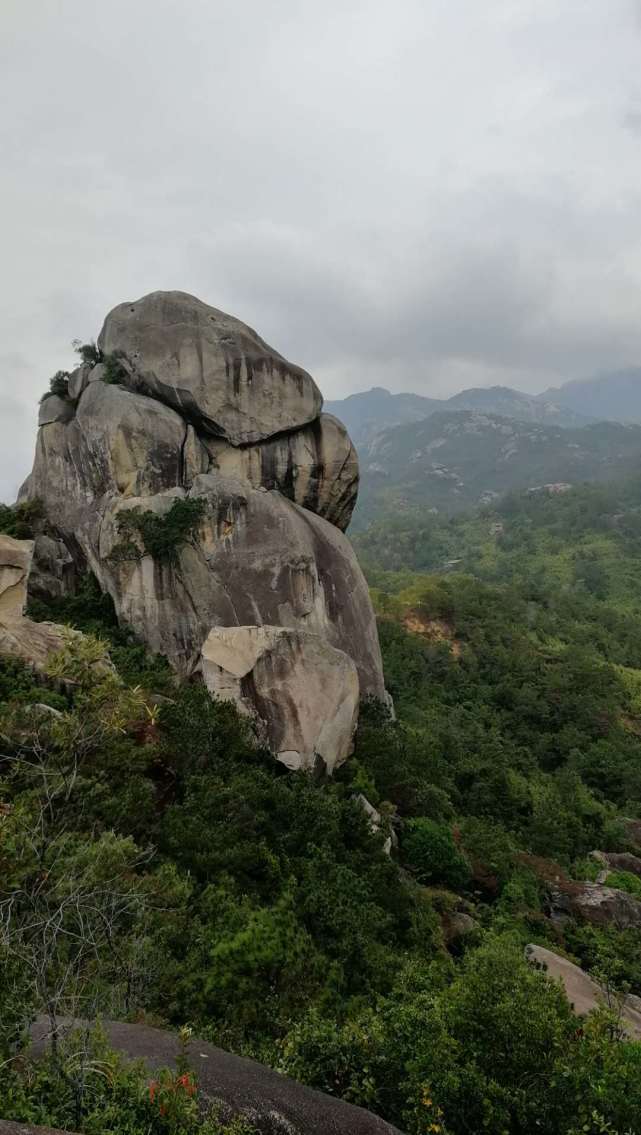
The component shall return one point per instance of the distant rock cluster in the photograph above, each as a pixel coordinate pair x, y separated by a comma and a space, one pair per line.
263, 598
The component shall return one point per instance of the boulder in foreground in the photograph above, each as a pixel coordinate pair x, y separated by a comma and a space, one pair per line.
582, 992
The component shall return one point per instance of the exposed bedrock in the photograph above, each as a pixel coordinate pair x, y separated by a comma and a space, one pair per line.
202, 409
303, 691
214, 369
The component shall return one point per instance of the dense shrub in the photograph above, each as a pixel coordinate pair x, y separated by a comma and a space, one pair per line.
59, 385
429, 849
20, 520
160, 536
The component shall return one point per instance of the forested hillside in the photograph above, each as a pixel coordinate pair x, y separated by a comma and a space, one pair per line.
259, 907
369, 412
456, 462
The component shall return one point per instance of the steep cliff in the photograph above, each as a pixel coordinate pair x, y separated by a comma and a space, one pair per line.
191, 469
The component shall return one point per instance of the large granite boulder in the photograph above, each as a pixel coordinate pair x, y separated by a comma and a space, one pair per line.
596, 904
317, 467
54, 409
265, 549
15, 565
214, 369
583, 993
21, 638
304, 691
236, 1087
257, 560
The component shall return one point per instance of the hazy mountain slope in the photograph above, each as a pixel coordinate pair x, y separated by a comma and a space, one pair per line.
515, 404
370, 411
612, 397
454, 461
367, 413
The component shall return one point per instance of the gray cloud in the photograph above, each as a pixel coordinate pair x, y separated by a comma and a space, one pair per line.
424, 195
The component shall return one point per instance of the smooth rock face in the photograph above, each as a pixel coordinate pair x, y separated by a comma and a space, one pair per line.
21, 638
304, 690
30, 642
214, 369
317, 467
259, 560
54, 409
268, 1102
78, 380
268, 554
582, 992
15, 564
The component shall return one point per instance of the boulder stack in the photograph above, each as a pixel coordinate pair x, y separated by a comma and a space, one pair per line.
260, 593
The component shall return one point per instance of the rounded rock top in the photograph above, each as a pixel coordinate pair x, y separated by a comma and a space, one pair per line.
210, 366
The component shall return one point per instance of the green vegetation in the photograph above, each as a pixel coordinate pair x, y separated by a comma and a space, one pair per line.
19, 521
146, 533
115, 373
90, 355
260, 907
453, 462
59, 385
89, 352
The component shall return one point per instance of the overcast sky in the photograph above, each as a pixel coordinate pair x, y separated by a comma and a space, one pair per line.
421, 194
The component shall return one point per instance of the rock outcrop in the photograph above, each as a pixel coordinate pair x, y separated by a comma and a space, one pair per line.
190, 417
583, 993
304, 691
617, 861
15, 565
211, 367
596, 904
20, 637
235, 1086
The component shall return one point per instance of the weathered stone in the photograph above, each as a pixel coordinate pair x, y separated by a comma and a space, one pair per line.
317, 467
217, 371
234, 1086
376, 822
78, 380
457, 925
53, 570
55, 409
302, 691
30, 642
618, 861
21, 638
583, 993
15, 564
119, 443
97, 373
258, 559
599, 905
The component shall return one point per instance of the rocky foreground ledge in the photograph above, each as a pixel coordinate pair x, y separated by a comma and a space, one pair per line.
273, 1104
189, 466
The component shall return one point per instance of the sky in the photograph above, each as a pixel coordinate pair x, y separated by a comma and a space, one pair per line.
421, 194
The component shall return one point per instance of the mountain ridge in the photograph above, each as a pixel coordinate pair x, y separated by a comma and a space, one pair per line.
368, 412
454, 461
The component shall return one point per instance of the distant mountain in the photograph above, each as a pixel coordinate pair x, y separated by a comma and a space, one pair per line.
371, 411
508, 403
608, 397
454, 461
367, 413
